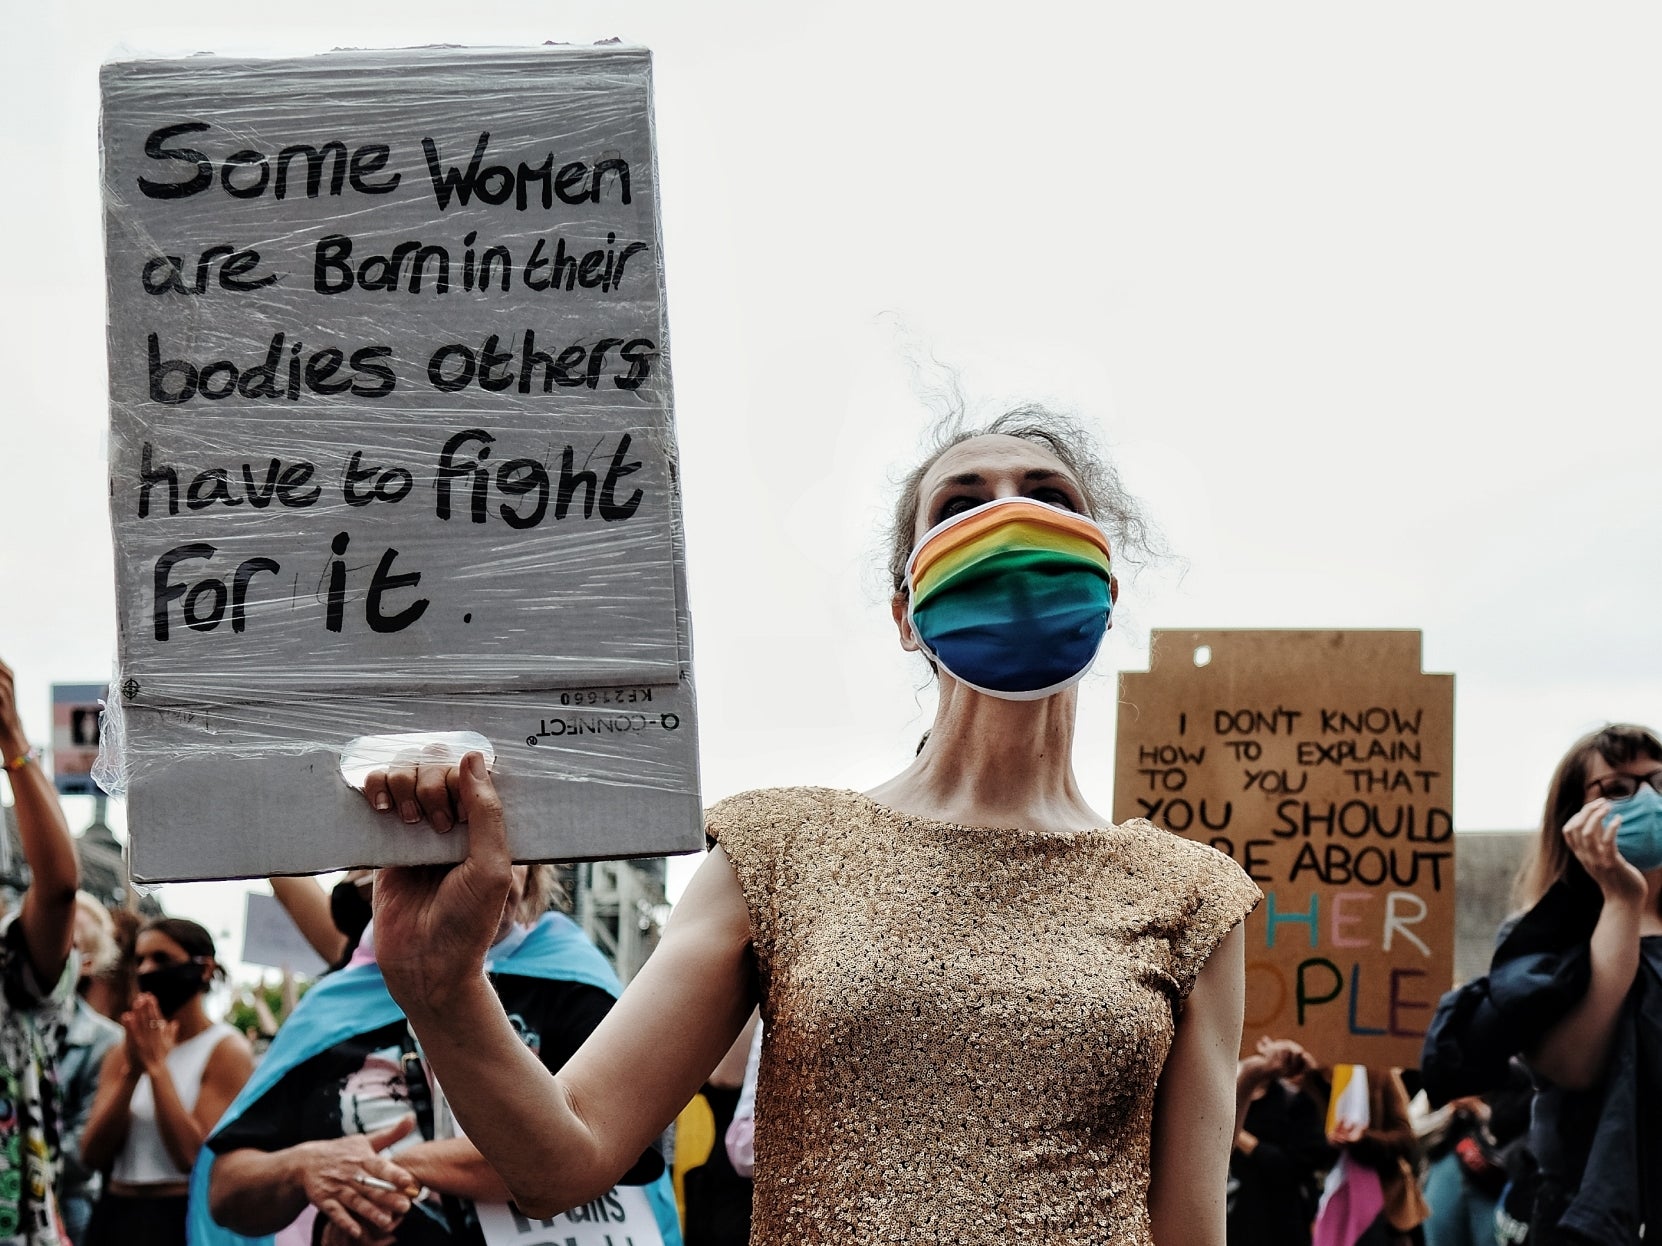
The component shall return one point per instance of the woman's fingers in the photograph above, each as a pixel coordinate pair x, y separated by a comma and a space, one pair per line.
342, 1219
1579, 831
433, 795
356, 1190
376, 793
353, 1212
401, 786
381, 1139
1601, 841
417, 790
364, 1205
453, 783
487, 837
1590, 836
406, 1188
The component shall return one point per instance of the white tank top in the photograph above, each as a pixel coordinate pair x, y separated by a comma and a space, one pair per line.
144, 1159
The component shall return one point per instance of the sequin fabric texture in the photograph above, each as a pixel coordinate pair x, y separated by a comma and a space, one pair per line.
964, 1026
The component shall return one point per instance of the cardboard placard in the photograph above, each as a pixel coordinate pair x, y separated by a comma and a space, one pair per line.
620, 1217
391, 442
1322, 762
270, 937
75, 711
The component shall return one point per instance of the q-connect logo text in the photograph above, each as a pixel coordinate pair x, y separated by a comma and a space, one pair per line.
601, 724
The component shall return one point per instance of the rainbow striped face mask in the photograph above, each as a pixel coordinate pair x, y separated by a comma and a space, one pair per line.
1012, 597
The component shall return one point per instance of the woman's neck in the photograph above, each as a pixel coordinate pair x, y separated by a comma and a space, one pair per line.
192, 1019
992, 762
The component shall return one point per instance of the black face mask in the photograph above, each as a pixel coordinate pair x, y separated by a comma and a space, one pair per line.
174, 986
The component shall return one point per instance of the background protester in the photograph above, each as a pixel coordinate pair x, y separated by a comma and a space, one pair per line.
951, 964
1466, 1169
110, 992
714, 1195
1373, 1197
1281, 1150
741, 1131
342, 1100
333, 921
1597, 873
1576, 987
37, 985
161, 1089
86, 1042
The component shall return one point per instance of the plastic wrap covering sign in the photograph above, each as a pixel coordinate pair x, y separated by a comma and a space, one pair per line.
391, 449
1323, 763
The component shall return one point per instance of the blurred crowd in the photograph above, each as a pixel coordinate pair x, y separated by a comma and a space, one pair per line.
133, 1115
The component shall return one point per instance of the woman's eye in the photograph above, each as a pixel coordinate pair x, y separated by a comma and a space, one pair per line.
1058, 498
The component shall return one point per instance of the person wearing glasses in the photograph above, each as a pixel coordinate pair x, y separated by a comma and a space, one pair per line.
1583, 968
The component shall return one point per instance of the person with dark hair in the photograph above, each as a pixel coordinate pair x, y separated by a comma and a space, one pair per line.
161, 1089
1601, 844
37, 986
1281, 1150
992, 1015
1576, 987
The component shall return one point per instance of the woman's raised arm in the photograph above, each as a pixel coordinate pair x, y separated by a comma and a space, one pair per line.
555, 1142
1574, 1051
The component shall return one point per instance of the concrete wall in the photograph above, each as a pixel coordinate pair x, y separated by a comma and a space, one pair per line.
1485, 862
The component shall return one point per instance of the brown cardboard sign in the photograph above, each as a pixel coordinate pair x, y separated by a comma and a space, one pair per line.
1322, 762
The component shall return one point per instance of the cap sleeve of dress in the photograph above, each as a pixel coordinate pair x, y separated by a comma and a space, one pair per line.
748, 829
1215, 896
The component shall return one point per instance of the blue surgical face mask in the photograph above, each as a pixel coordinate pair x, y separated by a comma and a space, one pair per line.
1639, 837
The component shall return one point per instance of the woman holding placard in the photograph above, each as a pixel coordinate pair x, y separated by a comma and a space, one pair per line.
991, 1014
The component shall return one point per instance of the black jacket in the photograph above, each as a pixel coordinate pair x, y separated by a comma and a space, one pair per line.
1601, 1148
1280, 1181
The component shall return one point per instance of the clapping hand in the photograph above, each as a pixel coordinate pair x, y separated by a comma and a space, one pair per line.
1287, 1058
149, 1035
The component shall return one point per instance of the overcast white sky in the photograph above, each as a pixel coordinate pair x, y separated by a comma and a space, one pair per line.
1363, 298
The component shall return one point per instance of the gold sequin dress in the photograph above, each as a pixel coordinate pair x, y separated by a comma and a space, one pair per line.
964, 1025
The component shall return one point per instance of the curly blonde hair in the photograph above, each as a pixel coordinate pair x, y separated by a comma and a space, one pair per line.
102, 952
542, 892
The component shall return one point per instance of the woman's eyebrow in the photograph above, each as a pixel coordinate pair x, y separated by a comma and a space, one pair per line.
1032, 475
